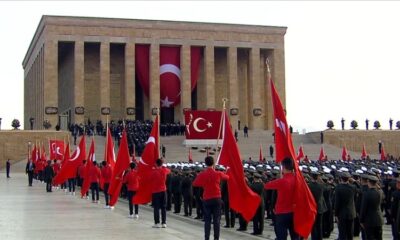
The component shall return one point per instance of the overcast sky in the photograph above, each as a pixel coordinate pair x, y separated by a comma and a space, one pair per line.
341, 57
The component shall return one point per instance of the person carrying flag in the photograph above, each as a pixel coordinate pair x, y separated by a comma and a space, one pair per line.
106, 177
285, 188
131, 179
210, 181
94, 177
159, 196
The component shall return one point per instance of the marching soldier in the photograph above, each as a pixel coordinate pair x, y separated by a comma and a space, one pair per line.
317, 189
258, 220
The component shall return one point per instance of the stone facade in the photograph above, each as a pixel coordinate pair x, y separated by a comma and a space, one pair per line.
76, 62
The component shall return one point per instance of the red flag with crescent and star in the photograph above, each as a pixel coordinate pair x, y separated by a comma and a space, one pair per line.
300, 153
88, 166
202, 124
344, 153
146, 164
70, 166
56, 149
305, 209
364, 153
321, 154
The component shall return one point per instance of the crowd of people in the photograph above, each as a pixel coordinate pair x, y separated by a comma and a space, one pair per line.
355, 194
137, 131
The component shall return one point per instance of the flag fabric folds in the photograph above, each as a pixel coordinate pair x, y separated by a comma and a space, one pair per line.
305, 208
56, 149
364, 153
70, 166
123, 160
241, 198
88, 166
300, 153
344, 153
321, 154
109, 154
146, 165
383, 154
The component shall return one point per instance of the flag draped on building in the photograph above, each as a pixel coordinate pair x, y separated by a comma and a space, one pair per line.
70, 165
146, 164
241, 198
123, 160
305, 208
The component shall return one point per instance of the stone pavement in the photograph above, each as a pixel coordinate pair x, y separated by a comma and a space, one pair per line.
32, 213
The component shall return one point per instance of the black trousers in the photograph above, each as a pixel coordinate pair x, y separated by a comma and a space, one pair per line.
357, 227
187, 204
159, 201
230, 215
169, 200
8, 171
48, 185
105, 191
212, 210
71, 184
94, 186
177, 202
316, 233
258, 220
346, 229
283, 224
199, 207
327, 223
373, 233
242, 223
130, 196
30, 177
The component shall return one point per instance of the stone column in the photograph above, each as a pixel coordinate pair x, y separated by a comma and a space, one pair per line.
104, 78
255, 122
50, 83
79, 83
209, 76
278, 73
186, 86
154, 95
233, 91
129, 88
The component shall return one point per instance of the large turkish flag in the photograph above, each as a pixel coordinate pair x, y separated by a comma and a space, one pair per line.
202, 124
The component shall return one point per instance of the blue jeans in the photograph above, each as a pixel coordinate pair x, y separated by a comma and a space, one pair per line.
283, 223
212, 209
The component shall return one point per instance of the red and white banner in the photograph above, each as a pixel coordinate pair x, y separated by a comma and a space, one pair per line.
202, 124
56, 149
170, 71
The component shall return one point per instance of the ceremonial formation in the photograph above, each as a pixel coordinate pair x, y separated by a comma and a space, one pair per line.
137, 83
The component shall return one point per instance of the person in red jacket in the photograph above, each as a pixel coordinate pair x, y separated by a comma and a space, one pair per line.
285, 187
132, 181
159, 196
106, 173
94, 177
210, 181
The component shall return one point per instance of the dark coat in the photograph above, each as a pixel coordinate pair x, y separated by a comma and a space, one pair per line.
27, 167
344, 201
370, 213
48, 173
317, 190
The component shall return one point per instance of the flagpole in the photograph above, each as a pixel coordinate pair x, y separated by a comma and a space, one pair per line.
158, 131
224, 100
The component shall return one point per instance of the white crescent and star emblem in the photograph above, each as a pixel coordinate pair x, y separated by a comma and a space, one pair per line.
169, 68
281, 125
78, 151
53, 147
141, 161
196, 127
151, 140
58, 151
166, 102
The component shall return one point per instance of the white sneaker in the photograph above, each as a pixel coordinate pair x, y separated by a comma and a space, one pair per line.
164, 225
87, 197
136, 216
73, 193
106, 206
130, 216
157, 225
111, 207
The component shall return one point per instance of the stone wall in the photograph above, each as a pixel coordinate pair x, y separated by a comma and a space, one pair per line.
14, 143
354, 140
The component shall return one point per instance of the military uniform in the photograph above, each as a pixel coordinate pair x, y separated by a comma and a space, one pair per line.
345, 210
317, 189
258, 220
370, 214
